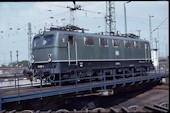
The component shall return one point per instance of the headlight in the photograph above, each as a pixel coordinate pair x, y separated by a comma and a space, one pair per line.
32, 61
49, 59
49, 55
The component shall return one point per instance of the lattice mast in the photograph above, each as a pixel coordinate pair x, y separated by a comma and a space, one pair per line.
29, 43
110, 18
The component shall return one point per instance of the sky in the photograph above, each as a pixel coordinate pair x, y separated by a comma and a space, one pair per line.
15, 17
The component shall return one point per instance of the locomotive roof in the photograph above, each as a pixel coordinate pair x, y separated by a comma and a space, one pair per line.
94, 35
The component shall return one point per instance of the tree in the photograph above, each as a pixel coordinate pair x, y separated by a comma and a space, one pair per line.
23, 63
3, 66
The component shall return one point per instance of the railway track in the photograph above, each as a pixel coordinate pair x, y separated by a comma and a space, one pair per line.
163, 108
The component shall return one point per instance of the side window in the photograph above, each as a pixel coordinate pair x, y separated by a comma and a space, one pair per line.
103, 42
127, 43
71, 40
115, 43
137, 44
88, 41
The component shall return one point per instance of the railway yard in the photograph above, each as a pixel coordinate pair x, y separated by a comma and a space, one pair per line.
84, 63
145, 97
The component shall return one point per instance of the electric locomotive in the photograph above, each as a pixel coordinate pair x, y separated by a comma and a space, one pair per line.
63, 51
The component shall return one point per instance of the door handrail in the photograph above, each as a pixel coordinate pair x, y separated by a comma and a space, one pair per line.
76, 53
68, 43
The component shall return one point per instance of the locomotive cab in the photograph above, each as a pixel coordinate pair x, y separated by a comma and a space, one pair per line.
53, 50
43, 52
43, 46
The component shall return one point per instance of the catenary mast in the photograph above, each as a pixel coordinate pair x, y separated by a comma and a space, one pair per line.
110, 17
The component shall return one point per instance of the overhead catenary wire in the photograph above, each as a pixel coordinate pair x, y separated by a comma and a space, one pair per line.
35, 19
45, 18
159, 25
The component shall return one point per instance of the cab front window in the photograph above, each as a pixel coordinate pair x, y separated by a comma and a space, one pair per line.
36, 42
48, 40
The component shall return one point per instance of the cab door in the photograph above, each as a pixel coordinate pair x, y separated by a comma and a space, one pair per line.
72, 49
